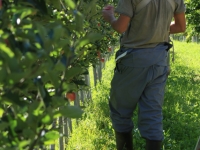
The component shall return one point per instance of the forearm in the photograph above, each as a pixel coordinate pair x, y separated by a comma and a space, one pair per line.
179, 23
174, 28
115, 25
119, 24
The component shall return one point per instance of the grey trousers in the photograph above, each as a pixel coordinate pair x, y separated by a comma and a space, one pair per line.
139, 79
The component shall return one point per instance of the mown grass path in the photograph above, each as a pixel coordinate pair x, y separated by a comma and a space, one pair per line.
181, 108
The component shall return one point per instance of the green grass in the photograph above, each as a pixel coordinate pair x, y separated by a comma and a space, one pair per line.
182, 99
181, 108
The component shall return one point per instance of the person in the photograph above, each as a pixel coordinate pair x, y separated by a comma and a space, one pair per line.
141, 66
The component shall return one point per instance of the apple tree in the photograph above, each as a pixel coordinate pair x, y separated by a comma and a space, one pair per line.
193, 17
46, 47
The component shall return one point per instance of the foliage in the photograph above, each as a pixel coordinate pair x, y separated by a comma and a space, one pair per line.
46, 48
181, 108
193, 18
181, 123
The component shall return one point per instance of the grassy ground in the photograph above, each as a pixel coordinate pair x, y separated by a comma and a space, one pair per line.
181, 108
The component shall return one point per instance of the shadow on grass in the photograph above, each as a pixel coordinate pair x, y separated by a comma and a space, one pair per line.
181, 109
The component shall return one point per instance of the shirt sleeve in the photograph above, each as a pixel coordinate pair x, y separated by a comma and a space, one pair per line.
180, 6
125, 7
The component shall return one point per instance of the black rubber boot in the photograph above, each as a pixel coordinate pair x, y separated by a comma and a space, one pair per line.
153, 145
124, 141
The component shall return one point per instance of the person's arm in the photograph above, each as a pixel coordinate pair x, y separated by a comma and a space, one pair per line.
119, 24
179, 23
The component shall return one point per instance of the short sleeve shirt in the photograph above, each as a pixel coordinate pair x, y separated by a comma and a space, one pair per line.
150, 26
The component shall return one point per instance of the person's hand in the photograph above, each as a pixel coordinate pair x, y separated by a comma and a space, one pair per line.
108, 13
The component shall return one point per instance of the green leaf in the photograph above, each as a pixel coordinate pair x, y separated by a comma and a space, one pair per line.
70, 4
36, 108
13, 124
70, 87
58, 101
51, 136
28, 133
24, 143
79, 21
42, 31
33, 121
28, 59
72, 72
56, 4
70, 112
15, 77
59, 67
7, 50
3, 126
1, 112
64, 42
53, 77
46, 119
58, 32
26, 12
3, 74
89, 38
93, 7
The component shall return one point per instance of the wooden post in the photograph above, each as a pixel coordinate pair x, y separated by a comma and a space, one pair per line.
77, 100
69, 121
184, 39
88, 93
77, 103
82, 96
61, 144
66, 130
52, 147
194, 39
99, 71
95, 76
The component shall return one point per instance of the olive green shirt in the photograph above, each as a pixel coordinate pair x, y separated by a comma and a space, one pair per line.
150, 26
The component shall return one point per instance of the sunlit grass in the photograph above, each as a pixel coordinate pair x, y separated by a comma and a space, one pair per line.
182, 99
